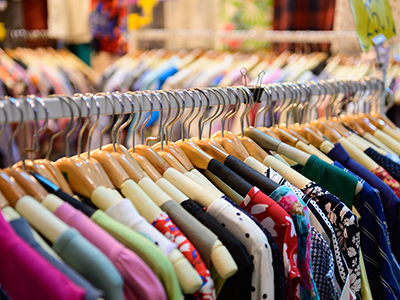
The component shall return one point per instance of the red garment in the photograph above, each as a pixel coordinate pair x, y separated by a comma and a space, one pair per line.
24, 274
164, 224
277, 221
388, 179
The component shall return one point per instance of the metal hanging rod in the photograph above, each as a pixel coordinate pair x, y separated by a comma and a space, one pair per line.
272, 36
58, 109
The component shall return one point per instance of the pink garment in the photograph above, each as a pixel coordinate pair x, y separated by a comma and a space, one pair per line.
24, 274
140, 282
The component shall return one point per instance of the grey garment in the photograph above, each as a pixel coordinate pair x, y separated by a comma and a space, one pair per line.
90, 262
21, 227
200, 236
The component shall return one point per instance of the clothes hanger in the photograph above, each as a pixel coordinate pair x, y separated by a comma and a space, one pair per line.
61, 182
31, 165
94, 167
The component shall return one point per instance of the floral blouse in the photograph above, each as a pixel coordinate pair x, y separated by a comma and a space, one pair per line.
291, 204
388, 179
278, 222
346, 228
165, 225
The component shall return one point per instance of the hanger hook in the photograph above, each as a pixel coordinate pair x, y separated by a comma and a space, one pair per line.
217, 112
85, 124
170, 124
161, 110
17, 105
138, 116
148, 97
106, 96
202, 118
96, 123
164, 133
3, 109
36, 135
56, 135
74, 128
244, 73
189, 114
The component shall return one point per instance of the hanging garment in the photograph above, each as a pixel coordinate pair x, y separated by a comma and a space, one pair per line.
346, 228
389, 165
40, 279
21, 227
340, 272
139, 280
390, 201
280, 225
88, 261
279, 273
255, 242
238, 285
146, 250
288, 201
165, 225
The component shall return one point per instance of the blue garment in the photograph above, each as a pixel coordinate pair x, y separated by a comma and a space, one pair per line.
382, 268
393, 157
388, 164
217, 80
165, 75
390, 202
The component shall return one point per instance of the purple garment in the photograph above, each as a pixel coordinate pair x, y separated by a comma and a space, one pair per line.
139, 280
390, 202
24, 274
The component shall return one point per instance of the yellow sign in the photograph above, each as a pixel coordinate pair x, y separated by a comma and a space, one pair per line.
135, 20
372, 17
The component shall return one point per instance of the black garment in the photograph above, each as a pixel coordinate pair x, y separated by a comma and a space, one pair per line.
255, 178
239, 285
277, 261
21, 227
3, 295
385, 162
237, 183
54, 189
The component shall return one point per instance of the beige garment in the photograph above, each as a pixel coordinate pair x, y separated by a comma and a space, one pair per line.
68, 20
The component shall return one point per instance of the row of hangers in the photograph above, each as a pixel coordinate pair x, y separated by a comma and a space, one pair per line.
149, 176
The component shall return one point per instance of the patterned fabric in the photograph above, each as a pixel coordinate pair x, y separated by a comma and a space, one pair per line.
326, 230
303, 15
164, 224
255, 242
291, 204
346, 228
279, 277
281, 226
323, 267
386, 163
388, 179
393, 157
107, 24
382, 269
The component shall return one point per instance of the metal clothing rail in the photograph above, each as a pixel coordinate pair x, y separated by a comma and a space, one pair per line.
273, 36
58, 109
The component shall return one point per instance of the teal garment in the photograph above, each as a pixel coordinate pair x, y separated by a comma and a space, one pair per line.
146, 250
284, 196
90, 262
83, 51
338, 182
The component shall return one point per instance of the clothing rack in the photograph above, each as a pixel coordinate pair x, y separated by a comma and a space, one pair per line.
212, 36
58, 109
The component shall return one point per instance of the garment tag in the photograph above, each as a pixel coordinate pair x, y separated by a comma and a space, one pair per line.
372, 18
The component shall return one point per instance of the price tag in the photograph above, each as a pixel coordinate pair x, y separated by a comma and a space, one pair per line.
372, 17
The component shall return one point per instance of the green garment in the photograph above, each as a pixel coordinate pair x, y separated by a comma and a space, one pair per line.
338, 182
92, 264
146, 250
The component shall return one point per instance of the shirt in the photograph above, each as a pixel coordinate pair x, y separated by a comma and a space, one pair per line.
146, 250
386, 163
255, 242
165, 225
39, 279
291, 204
390, 201
323, 267
275, 219
124, 212
327, 176
381, 266
346, 228
320, 223
21, 227
277, 261
88, 261
388, 179
139, 280
238, 285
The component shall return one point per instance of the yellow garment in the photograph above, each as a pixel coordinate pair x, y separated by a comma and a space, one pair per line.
365, 288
